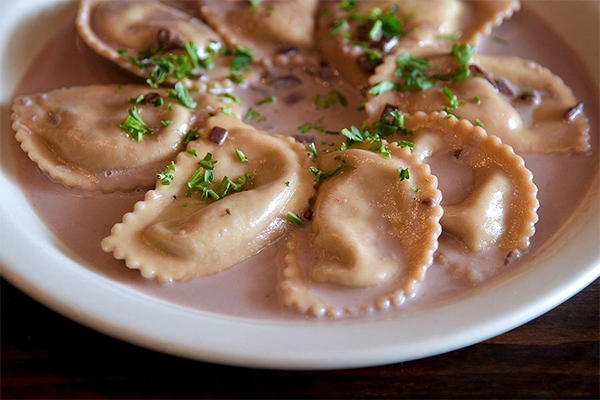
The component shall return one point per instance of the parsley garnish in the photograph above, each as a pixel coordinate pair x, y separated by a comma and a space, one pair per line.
227, 110
241, 156
338, 25
313, 149
411, 73
227, 184
452, 98
229, 97
252, 114
405, 143
320, 174
203, 181
463, 54
390, 123
348, 5
192, 134
240, 63
364, 136
160, 65
167, 176
333, 98
135, 127
415, 73
295, 218
267, 100
382, 87
181, 94
403, 174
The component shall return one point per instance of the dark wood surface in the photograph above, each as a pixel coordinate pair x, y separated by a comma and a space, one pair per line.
45, 355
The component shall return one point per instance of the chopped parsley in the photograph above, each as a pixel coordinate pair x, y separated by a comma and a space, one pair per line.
252, 114
377, 144
452, 98
160, 66
382, 23
338, 26
227, 110
237, 186
416, 73
312, 125
203, 181
382, 87
403, 174
334, 97
295, 218
240, 63
348, 5
267, 100
313, 149
390, 123
192, 134
405, 143
320, 174
180, 93
241, 156
167, 176
450, 36
229, 97
134, 126
463, 54
411, 73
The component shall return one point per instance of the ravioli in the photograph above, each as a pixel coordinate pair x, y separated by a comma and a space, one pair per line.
370, 228
75, 134
357, 38
276, 31
500, 206
518, 100
157, 42
217, 207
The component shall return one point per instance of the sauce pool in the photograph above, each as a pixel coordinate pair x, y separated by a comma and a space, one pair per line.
80, 220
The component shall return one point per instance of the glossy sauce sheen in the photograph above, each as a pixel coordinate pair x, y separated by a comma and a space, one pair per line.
81, 219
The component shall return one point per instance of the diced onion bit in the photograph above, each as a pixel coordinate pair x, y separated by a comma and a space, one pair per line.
218, 135
573, 112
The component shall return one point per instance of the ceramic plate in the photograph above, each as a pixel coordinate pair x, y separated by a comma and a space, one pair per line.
36, 262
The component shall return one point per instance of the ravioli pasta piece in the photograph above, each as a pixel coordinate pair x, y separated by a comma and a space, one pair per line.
357, 39
74, 134
518, 100
500, 208
277, 31
148, 39
370, 229
180, 231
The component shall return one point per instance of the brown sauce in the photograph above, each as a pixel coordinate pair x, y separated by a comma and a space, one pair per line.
80, 220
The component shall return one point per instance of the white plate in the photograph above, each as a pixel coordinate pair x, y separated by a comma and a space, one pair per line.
36, 263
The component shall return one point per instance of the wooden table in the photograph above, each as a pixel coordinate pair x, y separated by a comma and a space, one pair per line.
45, 355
